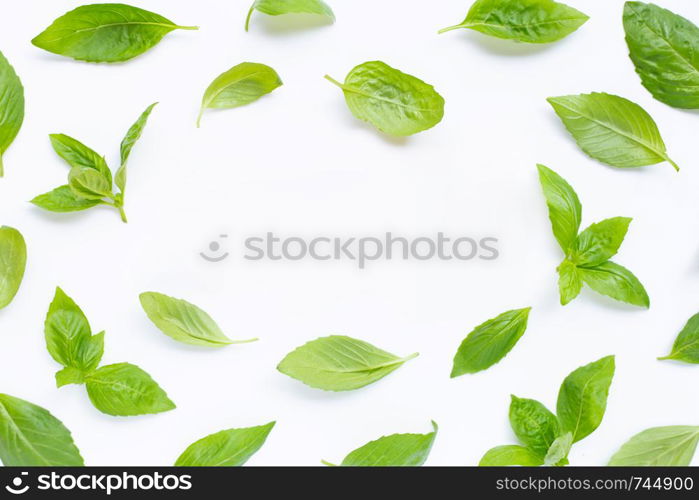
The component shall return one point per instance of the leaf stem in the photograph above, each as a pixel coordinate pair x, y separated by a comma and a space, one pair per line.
669, 160
325, 462
247, 19
123, 214
332, 80
189, 28
2, 167
450, 28
244, 341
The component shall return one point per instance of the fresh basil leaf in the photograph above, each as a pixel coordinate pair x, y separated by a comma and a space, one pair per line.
89, 183
686, 346
183, 321
533, 424
79, 156
394, 102
557, 454
396, 450
530, 21
63, 199
511, 454
582, 399
489, 342
110, 32
13, 261
229, 448
338, 363
600, 242
240, 85
659, 447
662, 46
617, 282
12, 105
30, 436
565, 210
612, 130
280, 7
569, 281
124, 389
127, 144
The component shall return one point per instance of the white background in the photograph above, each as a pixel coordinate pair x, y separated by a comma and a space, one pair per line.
296, 162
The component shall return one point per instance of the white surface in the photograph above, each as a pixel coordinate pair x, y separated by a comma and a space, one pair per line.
297, 162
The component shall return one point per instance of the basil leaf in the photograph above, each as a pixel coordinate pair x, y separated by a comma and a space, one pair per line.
686, 346
601, 241
530, 21
617, 282
510, 454
183, 321
569, 281
69, 339
557, 454
12, 105
79, 156
30, 436
13, 261
489, 342
659, 447
338, 363
394, 102
240, 85
89, 183
127, 144
662, 46
105, 33
124, 389
63, 199
582, 399
229, 448
533, 424
612, 130
396, 450
280, 7
565, 211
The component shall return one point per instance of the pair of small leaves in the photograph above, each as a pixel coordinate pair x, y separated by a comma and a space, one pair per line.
489, 342
338, 363
546, 439
120, 389
12, 105
240, 85
612, 130
184, 321
90, 181
229, 448
588, 253
530, 21
686, 346
281, 7
105, 33
669, 446
392, 101
396, 450
13, 261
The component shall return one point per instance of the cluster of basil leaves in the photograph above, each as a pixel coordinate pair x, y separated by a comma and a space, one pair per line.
608, 128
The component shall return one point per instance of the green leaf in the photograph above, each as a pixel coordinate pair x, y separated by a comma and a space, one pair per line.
659, 447
600, 242
489, 342
510, 454
12, 105
63, 199
531, 21
105, 33
13, 261
124, 389
569, 281
582, 399
183, 321
533, 424
396, 450
611, 129
240, 85
686, 346
394, 102
557, 454
617, 282
127, 144
338, 363
89, 183
30, 436
229, 448
662, 46
79, 156
565, 211
280, 7
69, 375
